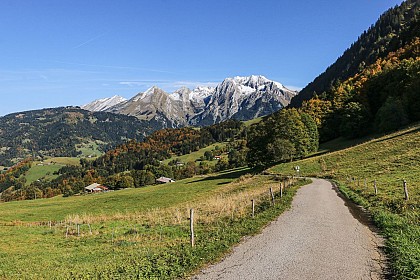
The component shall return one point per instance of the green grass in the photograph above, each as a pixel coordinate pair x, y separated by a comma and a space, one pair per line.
89, 149
194, 156
128, 200
136, 233
340, 144
37, 172
45, 169
388, 160
64, 160
253, 121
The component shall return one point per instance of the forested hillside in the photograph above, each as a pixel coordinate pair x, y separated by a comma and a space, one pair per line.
57, 132
395, 29
381, 98
374, 86
134, 163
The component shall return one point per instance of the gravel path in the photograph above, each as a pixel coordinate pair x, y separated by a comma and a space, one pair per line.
317, 239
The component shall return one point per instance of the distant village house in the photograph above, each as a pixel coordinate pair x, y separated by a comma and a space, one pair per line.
164, 180
95, 188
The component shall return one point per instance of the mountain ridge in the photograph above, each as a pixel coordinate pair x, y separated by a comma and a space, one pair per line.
241, 98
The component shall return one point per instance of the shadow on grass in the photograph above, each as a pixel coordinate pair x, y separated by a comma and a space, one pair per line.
228, 174
386, 138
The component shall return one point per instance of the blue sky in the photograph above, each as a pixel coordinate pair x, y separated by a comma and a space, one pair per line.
70, 52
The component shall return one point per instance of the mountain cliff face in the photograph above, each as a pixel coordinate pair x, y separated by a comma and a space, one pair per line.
241, 98
103, 104
244, 98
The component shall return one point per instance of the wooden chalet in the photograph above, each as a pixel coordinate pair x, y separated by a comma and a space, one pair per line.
164, 180
95, 188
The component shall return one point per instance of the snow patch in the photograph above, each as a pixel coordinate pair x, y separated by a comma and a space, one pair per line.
104, 103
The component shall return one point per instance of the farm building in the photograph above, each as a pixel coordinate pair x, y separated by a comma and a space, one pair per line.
164, 180
94, 188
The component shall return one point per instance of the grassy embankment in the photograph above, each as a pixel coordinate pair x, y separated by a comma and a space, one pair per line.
135, 232
389, 160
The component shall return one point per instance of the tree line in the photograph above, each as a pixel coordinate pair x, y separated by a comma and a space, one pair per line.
285, 135
394, 29
381, 98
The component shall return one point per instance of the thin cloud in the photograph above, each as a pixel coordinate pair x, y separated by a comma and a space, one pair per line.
293, 88
113, 66
89, 41
194, 84
167, 85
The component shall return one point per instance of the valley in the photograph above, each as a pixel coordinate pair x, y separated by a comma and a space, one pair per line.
149, 224
161, 184
136, 232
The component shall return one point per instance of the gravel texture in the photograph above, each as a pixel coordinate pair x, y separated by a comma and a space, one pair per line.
317, 239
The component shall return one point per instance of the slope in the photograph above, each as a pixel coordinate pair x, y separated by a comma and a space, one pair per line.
133, 233
385, 162
393, 30
240, 98
65, 132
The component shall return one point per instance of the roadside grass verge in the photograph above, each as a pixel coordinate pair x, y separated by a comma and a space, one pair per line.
402, 233
142, 234
387, 160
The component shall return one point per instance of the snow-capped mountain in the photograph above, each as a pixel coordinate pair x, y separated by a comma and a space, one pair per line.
244, 98
240, 98
103, 104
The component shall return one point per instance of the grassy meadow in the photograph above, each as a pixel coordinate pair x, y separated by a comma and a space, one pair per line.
41, 171
135, 233
388, 161
90, 149
194, 156
46, 168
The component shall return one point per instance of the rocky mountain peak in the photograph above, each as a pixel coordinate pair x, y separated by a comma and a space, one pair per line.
104, 103
238, 97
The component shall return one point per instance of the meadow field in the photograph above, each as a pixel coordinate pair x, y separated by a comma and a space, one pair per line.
195, 156
135, 233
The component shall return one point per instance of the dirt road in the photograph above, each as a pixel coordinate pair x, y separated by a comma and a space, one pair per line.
317, 239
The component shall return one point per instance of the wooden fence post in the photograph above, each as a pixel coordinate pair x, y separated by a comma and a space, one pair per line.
281, 190
253, 208
405, 190
365, 183
78, 230
272, 195
192, 227
375, 187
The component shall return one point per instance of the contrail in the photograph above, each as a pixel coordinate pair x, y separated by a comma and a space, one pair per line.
88, 41
112, 66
